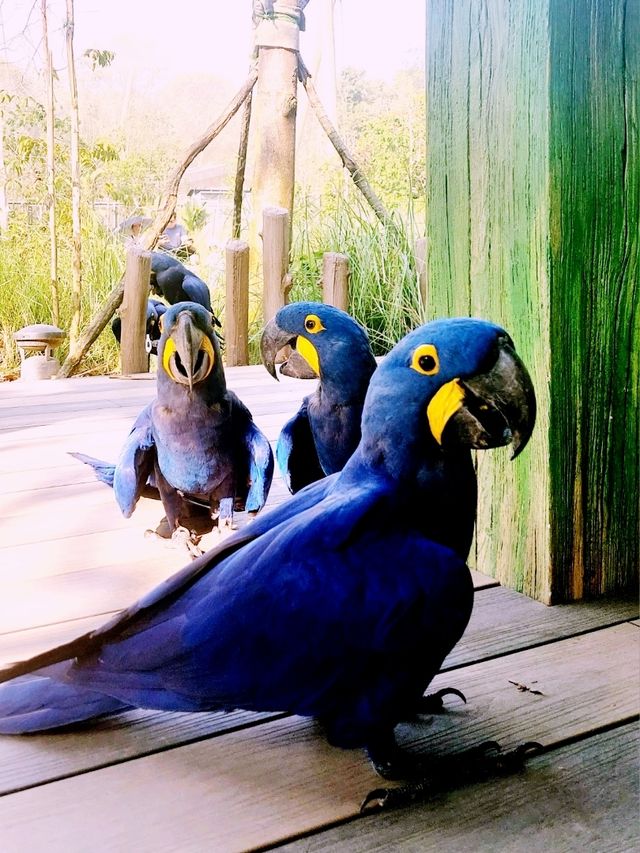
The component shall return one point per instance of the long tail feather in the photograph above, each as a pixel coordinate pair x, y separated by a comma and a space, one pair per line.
104, 471
38, 702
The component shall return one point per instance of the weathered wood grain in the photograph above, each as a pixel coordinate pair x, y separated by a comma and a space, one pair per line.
534, 195
581, 797
280, 778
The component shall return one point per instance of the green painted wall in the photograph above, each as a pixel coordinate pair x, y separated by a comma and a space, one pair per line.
533, 217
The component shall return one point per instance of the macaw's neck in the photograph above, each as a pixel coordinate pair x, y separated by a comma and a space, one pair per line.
346, 378
435, 490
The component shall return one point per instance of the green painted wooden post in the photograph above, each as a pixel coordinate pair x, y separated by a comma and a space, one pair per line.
533, 175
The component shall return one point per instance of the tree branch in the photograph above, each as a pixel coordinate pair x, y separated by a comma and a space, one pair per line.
349, 163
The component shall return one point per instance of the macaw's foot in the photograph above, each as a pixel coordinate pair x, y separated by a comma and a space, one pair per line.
225, 517
181, 539
432, 703
429, 777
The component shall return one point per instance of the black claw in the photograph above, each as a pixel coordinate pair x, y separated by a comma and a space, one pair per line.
474, 765
404, 795
432, 703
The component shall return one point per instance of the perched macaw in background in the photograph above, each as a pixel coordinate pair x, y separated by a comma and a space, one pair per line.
322, 435
335, 604
171, 280
155, 310
195, 446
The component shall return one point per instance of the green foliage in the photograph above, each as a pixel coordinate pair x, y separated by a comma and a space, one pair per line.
384, 126
194, 216
26, 290
99, 58
384, 293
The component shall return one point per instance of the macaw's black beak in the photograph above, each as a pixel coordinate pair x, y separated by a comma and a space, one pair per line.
188, 355
498, 407
273, 340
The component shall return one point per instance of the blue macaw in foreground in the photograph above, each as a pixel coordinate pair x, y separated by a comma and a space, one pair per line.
195, 446
322, 435
335, 604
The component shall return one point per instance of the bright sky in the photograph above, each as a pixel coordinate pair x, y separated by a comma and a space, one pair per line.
211, 35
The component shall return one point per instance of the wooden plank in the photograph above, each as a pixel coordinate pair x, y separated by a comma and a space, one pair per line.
583, 796
587, 682
504, 621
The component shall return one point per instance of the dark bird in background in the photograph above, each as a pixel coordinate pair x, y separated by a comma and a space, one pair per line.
335, 604
155, 309
322, 435
174, 283
195, 446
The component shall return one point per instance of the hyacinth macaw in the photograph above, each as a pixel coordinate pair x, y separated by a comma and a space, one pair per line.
195, 446
155, 309
171, 280
335, 604
322, 435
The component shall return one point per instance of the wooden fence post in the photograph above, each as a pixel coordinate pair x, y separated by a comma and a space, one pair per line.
275, 260
133, 354
236, 322
335, 280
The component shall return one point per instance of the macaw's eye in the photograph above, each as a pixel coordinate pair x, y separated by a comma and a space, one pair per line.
425, 360
313, 324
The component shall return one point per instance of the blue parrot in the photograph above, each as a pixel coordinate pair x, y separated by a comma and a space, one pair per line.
155, 309
171, 280
335, 604
195, 446
322, 435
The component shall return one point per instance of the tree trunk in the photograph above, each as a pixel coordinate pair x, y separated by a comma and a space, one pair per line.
51, 171
76, 283
274, 108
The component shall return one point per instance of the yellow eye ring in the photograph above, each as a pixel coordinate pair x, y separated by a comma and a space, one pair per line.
313, 324
425, 360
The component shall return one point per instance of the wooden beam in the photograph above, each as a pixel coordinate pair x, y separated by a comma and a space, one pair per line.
133, 354
236, 320
335, 279
275, 260
533, 214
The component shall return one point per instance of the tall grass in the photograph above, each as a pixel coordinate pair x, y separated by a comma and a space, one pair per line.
384, 294
25, 291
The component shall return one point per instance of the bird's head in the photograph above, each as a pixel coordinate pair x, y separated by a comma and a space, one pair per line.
331, 342
188, 350
455, 383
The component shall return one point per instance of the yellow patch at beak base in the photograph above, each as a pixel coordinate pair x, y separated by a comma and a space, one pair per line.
309, 353
443, 405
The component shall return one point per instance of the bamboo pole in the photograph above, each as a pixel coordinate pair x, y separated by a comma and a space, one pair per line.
236, 319
133, 353
151, 235
51, 171
335, 280
275, 260
74, 161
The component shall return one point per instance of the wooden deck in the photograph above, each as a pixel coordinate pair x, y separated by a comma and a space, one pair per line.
212, 782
